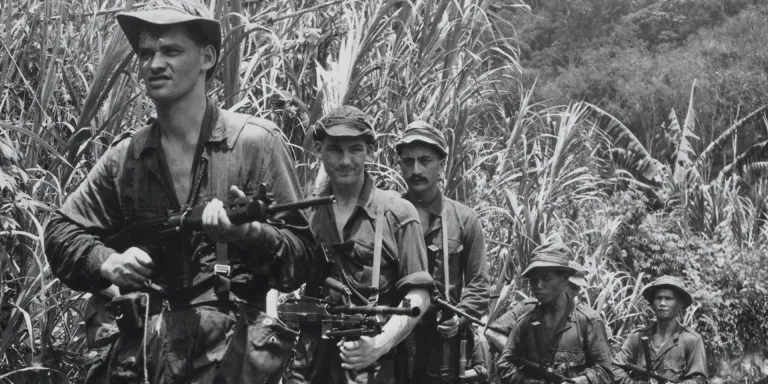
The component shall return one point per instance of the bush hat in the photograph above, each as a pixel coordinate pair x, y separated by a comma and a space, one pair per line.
421, 131
668, 282
345, 121
552, 253
170, 12
579, 278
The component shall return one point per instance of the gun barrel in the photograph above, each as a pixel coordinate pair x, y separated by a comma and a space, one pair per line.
644, 373
325, 200
459, 312
553, 375
375, 310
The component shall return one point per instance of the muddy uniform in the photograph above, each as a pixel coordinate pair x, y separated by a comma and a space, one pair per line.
681, 359
579, 347
191, 342
403, 268
468, 286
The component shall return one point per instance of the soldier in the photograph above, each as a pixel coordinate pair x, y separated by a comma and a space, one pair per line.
452, 233
203, 323
365, 219
499, 330
559, 335
676, 352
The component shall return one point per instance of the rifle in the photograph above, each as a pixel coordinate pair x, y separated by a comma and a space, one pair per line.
447, 309
150, 233
643, 373
648, 371
542, 367
340, 320
549, 374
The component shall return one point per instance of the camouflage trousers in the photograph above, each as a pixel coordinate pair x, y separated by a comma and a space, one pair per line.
203, 344
435, 359
318, 361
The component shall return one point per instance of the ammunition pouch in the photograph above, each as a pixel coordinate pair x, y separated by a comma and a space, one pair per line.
131, 310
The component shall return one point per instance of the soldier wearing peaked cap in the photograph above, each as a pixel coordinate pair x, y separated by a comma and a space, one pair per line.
349, 233
192, 308
559, 334
455, 247
676, 352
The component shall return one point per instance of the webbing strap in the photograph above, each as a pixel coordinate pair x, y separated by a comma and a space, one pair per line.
378, 238
444, 228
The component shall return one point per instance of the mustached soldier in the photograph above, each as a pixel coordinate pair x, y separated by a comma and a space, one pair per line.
559, 334
676, 352
349, 232
203, 326
446, 223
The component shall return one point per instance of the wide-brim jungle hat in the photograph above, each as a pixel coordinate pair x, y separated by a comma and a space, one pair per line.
668, 282
170, 12
579, 278
552, 253
423, 132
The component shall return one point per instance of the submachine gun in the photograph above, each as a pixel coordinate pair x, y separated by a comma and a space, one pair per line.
647, 372
340, 320
465, 375
149, 234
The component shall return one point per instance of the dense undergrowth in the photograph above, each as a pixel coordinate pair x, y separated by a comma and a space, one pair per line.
630, 214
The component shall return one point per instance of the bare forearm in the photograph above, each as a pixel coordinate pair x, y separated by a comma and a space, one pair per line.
399, 327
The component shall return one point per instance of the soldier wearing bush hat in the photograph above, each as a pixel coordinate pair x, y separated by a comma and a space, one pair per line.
364, 219
455, 246
677, 353
498, 331
191, 308
557, 326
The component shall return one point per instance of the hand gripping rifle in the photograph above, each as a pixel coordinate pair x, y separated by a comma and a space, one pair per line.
446, 310
542, 367
149, 234
647, 373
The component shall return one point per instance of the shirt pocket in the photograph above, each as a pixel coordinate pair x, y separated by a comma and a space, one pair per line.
455, 247
673, 366
363, 253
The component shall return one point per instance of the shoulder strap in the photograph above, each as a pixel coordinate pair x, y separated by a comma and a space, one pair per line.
382, 202
444, 228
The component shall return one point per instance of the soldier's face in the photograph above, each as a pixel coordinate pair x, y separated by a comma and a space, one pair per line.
666, 304
172, 64
547, 284
344, 159
421, 166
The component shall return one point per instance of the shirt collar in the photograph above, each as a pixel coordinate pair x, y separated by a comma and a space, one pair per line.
224, 132
365, 201
434, 208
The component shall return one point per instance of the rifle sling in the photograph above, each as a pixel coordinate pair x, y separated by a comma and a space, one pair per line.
444, 229
378, 238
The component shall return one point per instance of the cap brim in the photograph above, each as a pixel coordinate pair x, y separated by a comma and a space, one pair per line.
341, 130
650, 291
547, 264
423, 139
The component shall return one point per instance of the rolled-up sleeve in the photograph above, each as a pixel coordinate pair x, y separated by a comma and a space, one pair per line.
476, 295
72, 236
284, 251
598, 354
413, 269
